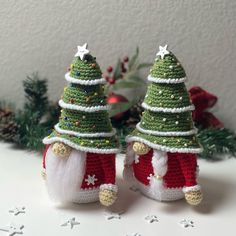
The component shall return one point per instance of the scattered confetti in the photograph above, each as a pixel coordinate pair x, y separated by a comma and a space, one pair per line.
71, 222
134, 234
12, 229
17, 210
112, 215
186, 223
134, 189
151, 218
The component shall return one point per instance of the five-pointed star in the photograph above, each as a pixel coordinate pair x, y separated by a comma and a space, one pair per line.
151, 218
162, 51
82, 51
134, 189
91, 179
186, 223
17, 210
134, 234
71, 222
112, 215
13, 229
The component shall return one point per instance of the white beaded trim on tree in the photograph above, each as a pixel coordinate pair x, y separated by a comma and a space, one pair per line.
164, 109
167, 80
82, 108
78, 147
169, 133
163, 148
84, 82
88, 135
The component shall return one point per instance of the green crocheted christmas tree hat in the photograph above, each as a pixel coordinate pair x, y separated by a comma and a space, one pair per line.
166, 123
84, 123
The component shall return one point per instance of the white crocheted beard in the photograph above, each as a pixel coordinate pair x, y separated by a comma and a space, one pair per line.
64, 175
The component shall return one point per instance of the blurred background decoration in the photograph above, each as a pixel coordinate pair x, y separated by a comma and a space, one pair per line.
26, 127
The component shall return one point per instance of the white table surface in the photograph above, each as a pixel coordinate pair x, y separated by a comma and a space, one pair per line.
21, 185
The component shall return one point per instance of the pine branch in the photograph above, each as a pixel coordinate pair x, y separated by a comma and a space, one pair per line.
217, 142
36, 95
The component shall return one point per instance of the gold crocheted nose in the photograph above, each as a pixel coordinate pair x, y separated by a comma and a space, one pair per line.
140, 148
61, 149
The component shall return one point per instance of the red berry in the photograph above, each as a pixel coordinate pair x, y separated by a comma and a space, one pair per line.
109, 69
126, 59
112, 80
107, 78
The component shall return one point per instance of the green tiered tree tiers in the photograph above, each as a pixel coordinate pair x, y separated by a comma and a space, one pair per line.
166, 123
84, 123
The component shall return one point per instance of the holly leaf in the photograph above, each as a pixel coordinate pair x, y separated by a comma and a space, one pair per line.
120, 107
143, 65
133, 59
117, 71
122, 84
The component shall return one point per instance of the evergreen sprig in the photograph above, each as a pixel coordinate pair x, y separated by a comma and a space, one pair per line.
217, 143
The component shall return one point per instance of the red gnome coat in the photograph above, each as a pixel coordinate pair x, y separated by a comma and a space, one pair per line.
162, 175
79, 178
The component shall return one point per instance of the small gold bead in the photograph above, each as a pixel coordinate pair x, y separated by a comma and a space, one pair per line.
172, 96
176, 122
160, 92
164, 119
95, 94
185, 144
178, 140
164, 140
180, 98
107, 141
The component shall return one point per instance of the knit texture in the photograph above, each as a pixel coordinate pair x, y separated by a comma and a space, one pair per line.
84, 111
167, 122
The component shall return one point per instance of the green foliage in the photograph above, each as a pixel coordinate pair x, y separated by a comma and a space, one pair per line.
217, 143
34, 121
36, 95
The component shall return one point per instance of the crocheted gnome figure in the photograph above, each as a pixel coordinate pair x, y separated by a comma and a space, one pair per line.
161, 156
79, 160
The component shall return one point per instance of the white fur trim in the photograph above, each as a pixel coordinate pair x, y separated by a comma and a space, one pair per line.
164, 109
88, 135
78, 147
191, 188
159, 162
166, 81
84, 82
112, 187
130, 155
82, 108
169, 133
163, 194
65, 175
163, 148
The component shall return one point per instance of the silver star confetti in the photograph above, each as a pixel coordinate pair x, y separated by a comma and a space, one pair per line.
134, 234
82, 51
186, 223
151, 218
112, 215
71, 222
134, 189
12, 229
17, 210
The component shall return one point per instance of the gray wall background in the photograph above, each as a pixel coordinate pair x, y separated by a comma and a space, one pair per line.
42, 36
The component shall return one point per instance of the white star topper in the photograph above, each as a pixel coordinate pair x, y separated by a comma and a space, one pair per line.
163, 51
82, 51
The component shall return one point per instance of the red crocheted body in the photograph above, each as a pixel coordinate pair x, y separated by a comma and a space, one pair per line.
143, 167
101, 167
181, 169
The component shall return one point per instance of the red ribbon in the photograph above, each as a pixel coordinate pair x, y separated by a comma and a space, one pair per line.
203, 100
